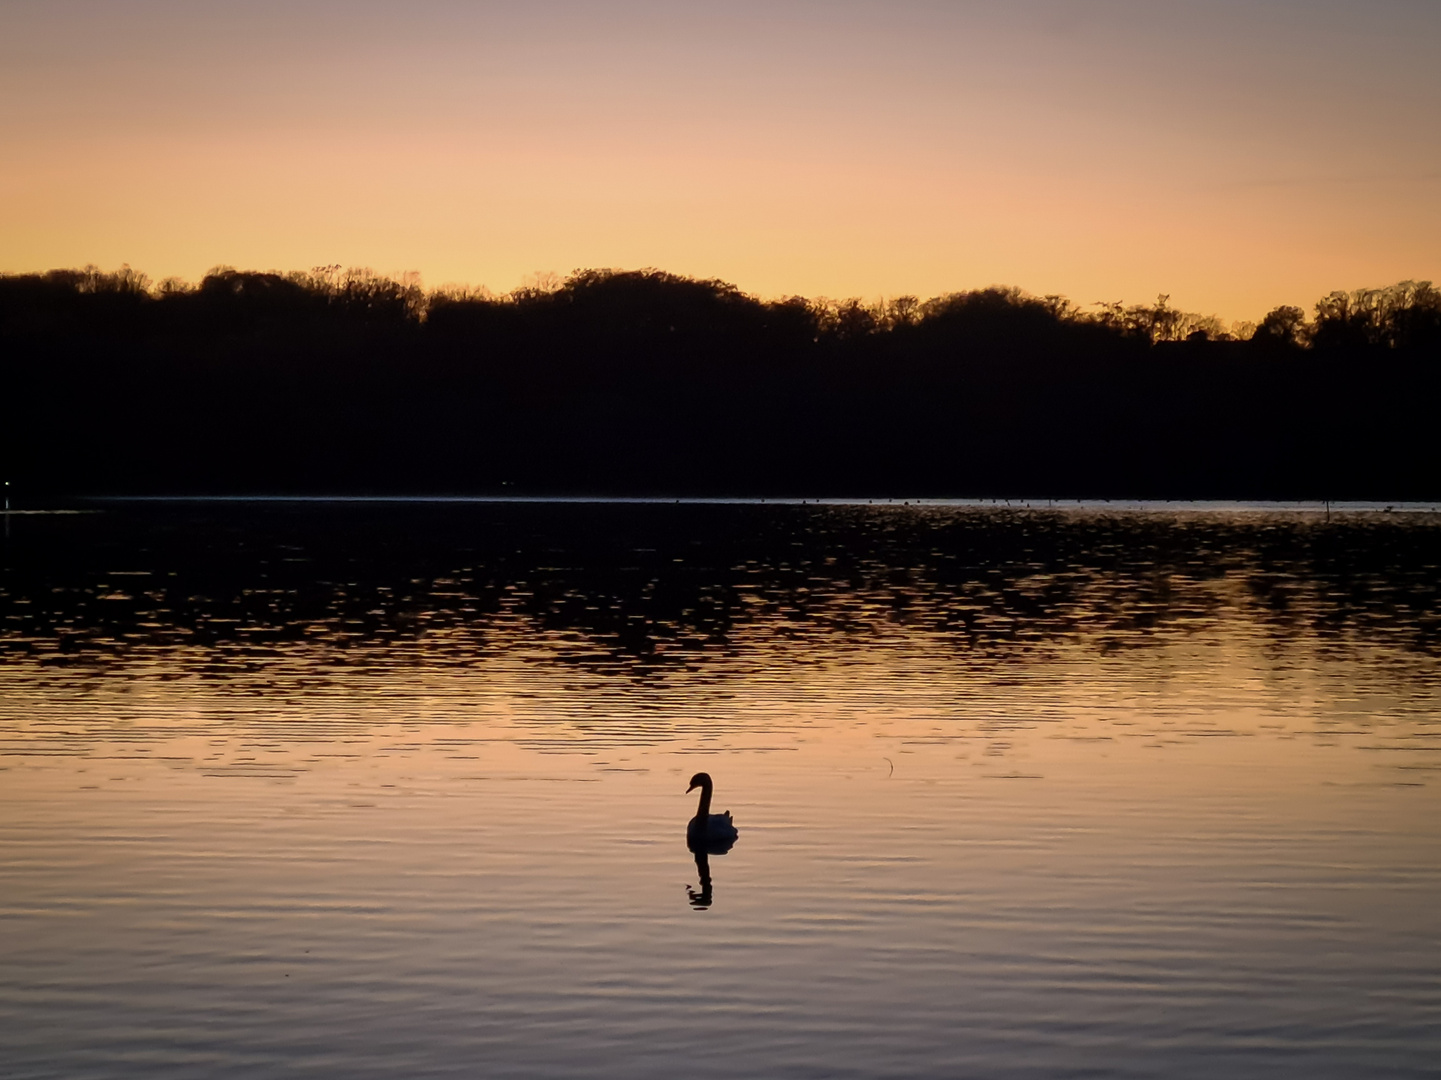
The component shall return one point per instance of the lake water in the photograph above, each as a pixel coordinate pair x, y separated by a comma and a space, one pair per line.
399, 791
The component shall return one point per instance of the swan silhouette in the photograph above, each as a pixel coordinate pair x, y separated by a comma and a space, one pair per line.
708, 833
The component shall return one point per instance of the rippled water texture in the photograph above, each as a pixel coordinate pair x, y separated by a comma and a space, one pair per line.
399, 792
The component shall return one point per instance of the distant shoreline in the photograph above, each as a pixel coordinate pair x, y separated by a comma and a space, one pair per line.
644, 384
1300, 506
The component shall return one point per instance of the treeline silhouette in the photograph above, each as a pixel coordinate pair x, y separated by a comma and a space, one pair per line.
645, 382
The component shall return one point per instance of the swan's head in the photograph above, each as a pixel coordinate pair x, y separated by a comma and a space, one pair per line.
700, 779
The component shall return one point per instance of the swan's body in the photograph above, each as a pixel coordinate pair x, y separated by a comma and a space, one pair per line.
712, 833
711, 827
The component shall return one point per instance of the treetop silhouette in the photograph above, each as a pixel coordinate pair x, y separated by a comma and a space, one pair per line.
616, 381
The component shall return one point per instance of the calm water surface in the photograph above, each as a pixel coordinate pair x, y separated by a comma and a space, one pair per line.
399, 792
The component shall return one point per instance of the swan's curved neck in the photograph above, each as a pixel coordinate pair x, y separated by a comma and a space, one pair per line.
703, 811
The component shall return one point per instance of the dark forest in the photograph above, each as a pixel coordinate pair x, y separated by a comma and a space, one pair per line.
643, 382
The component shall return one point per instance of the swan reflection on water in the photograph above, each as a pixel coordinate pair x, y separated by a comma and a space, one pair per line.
701, 898
707, 834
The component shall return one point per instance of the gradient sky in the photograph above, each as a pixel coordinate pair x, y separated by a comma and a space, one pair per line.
1234, 155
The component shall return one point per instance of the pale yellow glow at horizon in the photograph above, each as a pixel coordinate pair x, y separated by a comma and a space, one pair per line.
1235, 160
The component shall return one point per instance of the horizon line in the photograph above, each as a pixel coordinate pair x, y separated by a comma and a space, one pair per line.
1000, 502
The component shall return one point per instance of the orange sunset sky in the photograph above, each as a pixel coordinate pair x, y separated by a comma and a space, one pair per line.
1234, 155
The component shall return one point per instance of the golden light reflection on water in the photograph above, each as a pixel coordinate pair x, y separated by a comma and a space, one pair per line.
1015, 792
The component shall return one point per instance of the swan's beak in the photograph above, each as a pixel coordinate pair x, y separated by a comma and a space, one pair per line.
690, 789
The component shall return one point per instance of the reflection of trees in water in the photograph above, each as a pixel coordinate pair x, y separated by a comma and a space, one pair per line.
644, 592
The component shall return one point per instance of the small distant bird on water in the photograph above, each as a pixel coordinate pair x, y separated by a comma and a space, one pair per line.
707, 832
